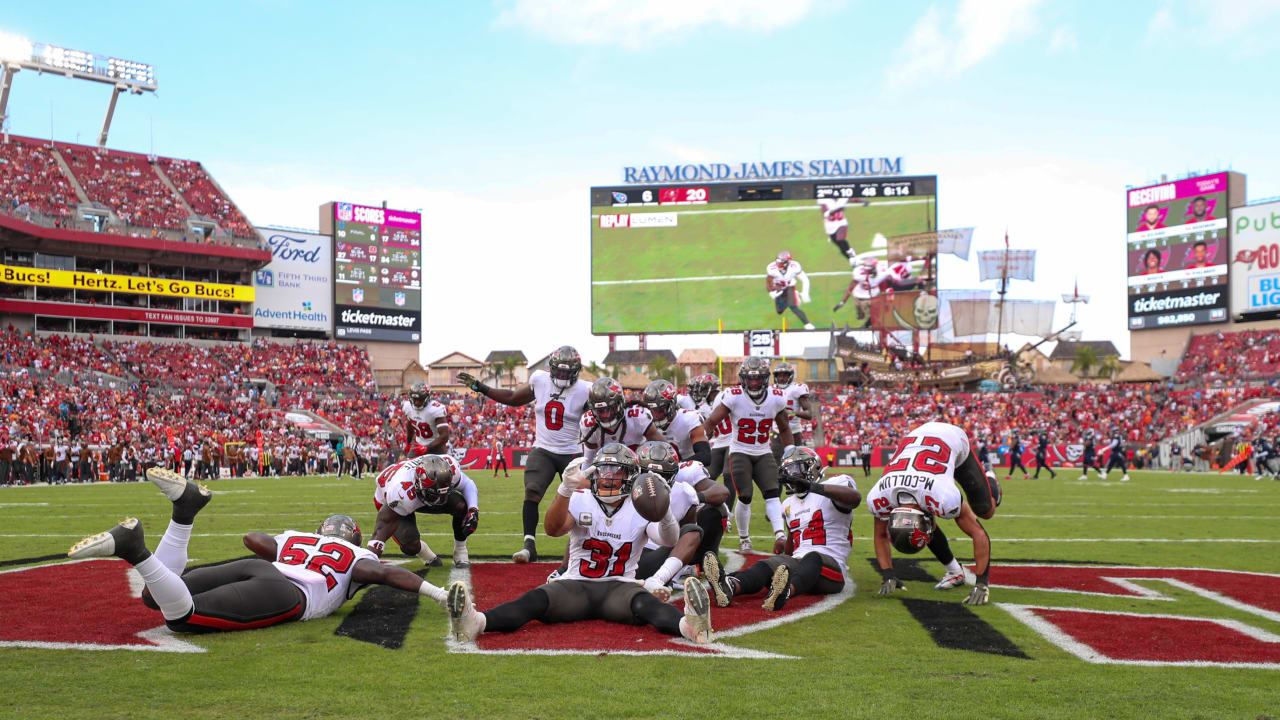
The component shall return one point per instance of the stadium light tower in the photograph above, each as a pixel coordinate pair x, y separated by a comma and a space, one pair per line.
18, 53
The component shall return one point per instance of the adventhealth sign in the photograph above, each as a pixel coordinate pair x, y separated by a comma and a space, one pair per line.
295, 291
788, 169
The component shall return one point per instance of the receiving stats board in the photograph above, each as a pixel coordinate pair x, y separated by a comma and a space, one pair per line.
377, 273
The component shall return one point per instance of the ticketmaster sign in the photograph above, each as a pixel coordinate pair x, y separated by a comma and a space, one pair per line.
295, 291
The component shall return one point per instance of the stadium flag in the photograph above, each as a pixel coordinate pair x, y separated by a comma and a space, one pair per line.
1021, 317
1021, 264
956, 242
259, 439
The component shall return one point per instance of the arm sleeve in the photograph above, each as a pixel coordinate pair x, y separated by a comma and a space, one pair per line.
467, 487
664, 533
804, 280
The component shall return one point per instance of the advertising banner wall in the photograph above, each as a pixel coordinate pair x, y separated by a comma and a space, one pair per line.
75, 280
295, 291
1255, 264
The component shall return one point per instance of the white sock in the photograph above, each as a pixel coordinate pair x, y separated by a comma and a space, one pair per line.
459, 546
425, 553
435, 593
669, 568
172, 549
773, 511
953, 567
167, 589
742, 518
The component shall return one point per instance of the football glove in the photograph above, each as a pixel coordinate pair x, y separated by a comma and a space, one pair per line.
804, 298
471, 521
573, 478
979, 595
657, 588
470, 382
839, 305
889, 586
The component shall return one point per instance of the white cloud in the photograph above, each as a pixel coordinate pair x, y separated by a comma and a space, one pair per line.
938, 45
1161, 23
634, 24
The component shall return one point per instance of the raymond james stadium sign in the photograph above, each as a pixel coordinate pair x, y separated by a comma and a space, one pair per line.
788, 169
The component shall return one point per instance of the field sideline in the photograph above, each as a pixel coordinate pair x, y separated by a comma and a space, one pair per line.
865, 657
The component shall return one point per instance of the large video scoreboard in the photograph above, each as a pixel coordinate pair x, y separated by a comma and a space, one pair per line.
1177, 252
377, 273
693, 258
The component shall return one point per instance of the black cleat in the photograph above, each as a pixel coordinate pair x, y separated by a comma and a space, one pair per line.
124, 541
714, 574
527, 554
779, 589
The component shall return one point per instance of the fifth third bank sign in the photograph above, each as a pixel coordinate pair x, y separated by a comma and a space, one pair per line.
295, 291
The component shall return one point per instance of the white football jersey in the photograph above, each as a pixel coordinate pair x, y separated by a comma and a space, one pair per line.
678, 430
321, 566
690, 472
721, 433
424, 423
869, 279
603, 546
817, 525
557, 413
683, 498
922, 472
684, 402
786, 277
793, 393
636, 420
833, 214
751, 422
396, 488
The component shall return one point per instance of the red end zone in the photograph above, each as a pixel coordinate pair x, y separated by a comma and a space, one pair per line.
496, 583
80, 605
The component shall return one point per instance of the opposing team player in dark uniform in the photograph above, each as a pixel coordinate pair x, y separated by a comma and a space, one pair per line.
296, 576
1042, 456
1015, 457
1117, 457
1089, 458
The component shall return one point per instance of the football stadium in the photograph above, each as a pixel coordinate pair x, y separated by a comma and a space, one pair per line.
311, 375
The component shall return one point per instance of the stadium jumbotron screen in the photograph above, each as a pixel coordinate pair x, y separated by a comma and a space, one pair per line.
706, 257
1177, 253
377, 273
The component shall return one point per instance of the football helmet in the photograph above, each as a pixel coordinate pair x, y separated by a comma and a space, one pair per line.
613, 472
433, 478
564, 365
702, 387
343, 527
799, 469
784, 259
419, 395
783, 373
753, 375
910, 529
605, 400
660, 397
657, 456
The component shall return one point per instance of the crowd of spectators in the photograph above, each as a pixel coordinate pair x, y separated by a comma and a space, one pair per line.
204, 197
1222, 358
127, 184
29, 176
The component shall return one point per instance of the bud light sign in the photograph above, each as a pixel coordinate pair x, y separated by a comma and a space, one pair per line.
298, 280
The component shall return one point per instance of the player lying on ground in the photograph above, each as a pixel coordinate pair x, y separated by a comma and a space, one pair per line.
296, 576
559, 401
818, 514
597, 510
753, 410
696, 502
921, 483
426, 423
433, 485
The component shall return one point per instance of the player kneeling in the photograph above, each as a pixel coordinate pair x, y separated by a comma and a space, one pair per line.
818, 514
921, 483
606, 530
429, 484
297, 576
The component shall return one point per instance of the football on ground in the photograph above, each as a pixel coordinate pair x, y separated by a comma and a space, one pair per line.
651, 497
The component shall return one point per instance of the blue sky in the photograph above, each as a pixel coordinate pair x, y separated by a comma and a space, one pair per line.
495, 118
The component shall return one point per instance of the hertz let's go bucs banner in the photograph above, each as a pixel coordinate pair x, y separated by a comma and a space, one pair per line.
74, 280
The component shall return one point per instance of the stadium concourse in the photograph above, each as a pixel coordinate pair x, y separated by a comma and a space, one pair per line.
69, 396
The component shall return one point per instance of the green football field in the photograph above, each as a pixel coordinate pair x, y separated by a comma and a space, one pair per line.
720, 243
917, 654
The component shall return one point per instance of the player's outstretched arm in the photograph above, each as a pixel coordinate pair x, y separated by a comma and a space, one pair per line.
368, 572
847, 292
383, 527
969, 523
845, 498
557, 521
261, 544
522, 395
711, 492
409, 434
716, 417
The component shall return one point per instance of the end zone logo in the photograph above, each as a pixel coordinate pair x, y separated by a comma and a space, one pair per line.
1153, 639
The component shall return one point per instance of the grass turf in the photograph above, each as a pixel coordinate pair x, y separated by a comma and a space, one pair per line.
866, 657
728, 244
